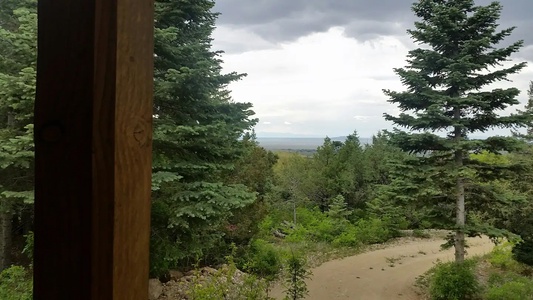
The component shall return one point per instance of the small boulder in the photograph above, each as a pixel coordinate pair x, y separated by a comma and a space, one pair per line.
155, 289
175, 275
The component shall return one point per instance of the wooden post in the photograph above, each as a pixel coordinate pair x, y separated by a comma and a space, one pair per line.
93, 139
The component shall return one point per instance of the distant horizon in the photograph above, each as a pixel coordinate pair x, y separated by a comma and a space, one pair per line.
301, 136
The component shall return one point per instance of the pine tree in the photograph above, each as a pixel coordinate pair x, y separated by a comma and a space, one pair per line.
444, 81
18, 42
352, 172
328, 177
529, 109
528, 136
197, 130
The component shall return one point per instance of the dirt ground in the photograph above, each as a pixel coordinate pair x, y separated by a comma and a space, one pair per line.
382, 274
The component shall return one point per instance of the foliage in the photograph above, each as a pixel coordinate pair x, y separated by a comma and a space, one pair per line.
523, 252
255, 170
197, 138
317, 226
528, 109
337, 168
454, 281
16, 284
264, 260
226, 284
29, 245
409, 197
296, 274
444, 94
18, 43
509, 279
519, 289
338, 208
501, 257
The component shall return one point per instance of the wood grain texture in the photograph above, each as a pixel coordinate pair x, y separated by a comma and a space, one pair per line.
133, 151
93, 124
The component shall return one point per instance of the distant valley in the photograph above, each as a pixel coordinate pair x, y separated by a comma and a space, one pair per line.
299, 143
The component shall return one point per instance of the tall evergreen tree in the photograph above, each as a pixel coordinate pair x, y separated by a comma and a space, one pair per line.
18, 44
529, 109
444, 94
528, 136
353, 173
197, 130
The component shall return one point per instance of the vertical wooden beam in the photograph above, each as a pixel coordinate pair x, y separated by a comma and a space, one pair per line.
93, 126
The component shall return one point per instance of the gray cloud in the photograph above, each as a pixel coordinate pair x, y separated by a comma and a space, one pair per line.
283, 20
286, 20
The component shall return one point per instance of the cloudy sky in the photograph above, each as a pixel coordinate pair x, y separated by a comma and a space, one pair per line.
318, 67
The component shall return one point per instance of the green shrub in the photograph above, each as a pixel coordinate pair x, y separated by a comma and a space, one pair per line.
518, 289
225, 283
523, 252
297, 234
263, 259
331, 228
501, 257
372, 231
315, 226
500, 278
324, 231
347, 239
29, 245
16, 284
453, 281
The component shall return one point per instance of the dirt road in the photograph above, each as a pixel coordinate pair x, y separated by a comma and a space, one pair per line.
384, 274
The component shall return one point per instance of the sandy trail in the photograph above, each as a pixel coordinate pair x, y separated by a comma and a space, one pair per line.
370, 276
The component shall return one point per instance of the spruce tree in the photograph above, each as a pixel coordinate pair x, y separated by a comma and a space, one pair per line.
528, 135
18, 57
197, 130
529, 109
444, 93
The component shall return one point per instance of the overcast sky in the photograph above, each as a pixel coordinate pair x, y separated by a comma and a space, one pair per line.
318, 67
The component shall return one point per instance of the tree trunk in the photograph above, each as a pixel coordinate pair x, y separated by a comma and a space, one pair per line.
5, 220
5, 239
460, 197
460, 216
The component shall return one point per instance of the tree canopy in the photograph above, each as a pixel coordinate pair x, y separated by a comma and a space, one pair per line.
448, 95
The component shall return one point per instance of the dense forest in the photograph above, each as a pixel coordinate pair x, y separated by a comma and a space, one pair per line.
220, 199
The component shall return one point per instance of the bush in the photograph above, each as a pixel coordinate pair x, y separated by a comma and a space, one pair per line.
263, 259
501, 257
16, 284
347, 239
453, 281
331, 228
372, 231
518, 289
523, 252
226, 283
316, 226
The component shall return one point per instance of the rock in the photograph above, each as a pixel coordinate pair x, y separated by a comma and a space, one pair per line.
155, 288
175, 275
278, 234
208, 270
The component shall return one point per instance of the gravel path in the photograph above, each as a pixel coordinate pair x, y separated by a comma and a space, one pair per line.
384, 274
